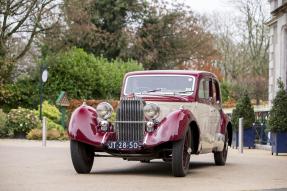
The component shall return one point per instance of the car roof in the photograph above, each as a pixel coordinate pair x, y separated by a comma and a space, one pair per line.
179, 72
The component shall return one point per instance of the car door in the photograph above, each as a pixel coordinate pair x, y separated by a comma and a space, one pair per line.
215, 107
202, 112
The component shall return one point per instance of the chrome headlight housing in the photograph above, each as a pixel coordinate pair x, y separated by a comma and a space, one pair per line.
151, 111
104, 110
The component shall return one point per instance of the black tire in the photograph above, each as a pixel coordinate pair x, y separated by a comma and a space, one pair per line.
220, 157
181, 151
82, 157
166, 159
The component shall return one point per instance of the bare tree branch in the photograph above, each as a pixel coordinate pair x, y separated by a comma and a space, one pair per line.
22, 21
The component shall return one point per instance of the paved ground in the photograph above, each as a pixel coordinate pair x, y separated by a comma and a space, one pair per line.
26, 166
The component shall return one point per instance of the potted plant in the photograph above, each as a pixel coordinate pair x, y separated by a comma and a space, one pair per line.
245, 110
277, 123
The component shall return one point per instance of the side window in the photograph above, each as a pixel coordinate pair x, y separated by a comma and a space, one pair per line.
203, 91
216, 91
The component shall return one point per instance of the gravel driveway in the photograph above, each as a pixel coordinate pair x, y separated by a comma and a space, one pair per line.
26, 166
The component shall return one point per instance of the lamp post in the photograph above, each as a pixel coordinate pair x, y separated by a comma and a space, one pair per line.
44, 78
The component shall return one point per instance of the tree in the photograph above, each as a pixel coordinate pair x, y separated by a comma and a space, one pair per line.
243, 42
171, 37
100, 27
278, 113
227, 41
257, 40
243, 109
21, 19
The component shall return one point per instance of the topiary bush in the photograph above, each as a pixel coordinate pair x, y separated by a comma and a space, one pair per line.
20, 121
243, 109
278, 114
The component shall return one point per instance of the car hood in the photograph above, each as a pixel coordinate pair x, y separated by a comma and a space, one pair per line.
168, 107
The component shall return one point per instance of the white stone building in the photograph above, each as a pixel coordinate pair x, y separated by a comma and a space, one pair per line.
278, 45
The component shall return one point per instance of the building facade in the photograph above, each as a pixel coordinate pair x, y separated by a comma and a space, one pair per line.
278, 46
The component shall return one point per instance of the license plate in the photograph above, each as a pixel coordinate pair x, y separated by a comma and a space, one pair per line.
123, 145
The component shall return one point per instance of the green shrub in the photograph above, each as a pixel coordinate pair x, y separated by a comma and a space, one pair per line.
81, 75
52, 125
54, 130
84, 76
20, 121
225, 91
50, 111
243, 109
24, 92
111, 77
34, 134
278, 114
52, 115
52, 134
3, 119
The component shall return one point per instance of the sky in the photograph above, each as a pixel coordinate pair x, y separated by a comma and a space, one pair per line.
209, 6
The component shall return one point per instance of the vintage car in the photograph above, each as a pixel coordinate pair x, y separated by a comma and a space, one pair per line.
164, 114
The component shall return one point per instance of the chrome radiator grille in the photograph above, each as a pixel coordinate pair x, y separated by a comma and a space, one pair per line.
130, 120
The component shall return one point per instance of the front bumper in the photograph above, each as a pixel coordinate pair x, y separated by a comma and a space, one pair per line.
101, 141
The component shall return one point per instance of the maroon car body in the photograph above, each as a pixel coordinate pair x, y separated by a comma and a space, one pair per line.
190, 120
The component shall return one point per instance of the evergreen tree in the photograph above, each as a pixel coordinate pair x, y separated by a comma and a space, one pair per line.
278, 114
102, 27
243, 109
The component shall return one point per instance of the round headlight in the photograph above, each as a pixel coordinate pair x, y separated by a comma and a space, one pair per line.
104, 110
151, 111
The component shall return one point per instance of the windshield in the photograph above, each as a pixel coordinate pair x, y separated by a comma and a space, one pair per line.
159, 84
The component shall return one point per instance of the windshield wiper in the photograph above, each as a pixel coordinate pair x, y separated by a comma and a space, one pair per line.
153, 90
149, 91
183, 92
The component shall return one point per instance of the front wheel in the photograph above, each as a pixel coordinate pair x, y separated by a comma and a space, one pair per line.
82, 157
181, 151
220, 157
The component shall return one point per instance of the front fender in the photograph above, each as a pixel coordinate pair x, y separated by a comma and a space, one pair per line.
171, 128
83, 127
